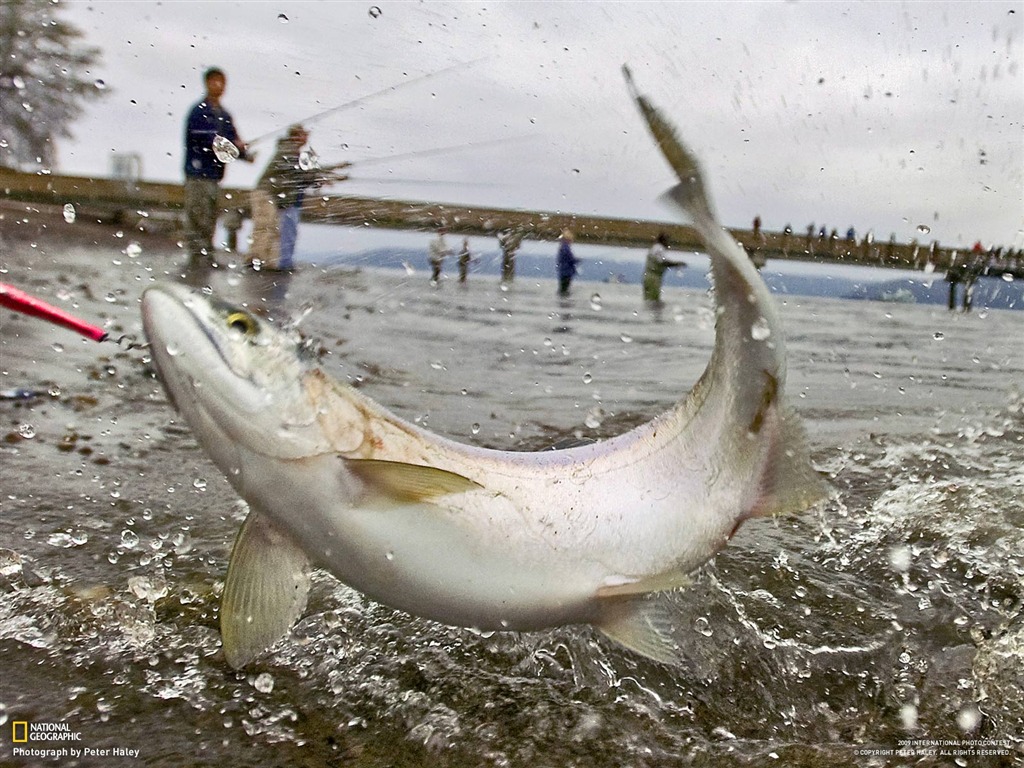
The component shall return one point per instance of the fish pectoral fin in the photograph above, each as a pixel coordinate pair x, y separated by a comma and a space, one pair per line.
660, 582
642, 624
265, 590
789, 482
409, 482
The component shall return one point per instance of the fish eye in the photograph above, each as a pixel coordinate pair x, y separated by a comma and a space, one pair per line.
243, 322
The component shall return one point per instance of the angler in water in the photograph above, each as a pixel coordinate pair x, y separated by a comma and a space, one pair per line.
466, 536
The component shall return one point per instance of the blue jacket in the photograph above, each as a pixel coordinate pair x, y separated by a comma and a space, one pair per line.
204, 122
566, 261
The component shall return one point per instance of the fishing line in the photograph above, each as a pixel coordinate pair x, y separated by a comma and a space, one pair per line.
438, 150
363, 99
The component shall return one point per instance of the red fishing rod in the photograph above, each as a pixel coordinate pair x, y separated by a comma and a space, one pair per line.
19, 301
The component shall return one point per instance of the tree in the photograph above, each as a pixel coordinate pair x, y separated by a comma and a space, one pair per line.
44, 79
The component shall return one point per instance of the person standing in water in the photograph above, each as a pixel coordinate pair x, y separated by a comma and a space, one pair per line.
509, 241
204, 170
277, 199
567, 263
654, 268
438, 250
464, 258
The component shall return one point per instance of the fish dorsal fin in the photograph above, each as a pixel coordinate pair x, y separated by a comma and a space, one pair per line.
409, 483
641, 624
789, 483
264, 592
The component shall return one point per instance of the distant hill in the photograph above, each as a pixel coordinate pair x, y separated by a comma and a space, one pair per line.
989, 292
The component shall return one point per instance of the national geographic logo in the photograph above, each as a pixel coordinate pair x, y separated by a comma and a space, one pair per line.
57, 741
24, 732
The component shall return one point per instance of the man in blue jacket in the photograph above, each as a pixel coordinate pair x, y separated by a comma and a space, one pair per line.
207, 121
567, 262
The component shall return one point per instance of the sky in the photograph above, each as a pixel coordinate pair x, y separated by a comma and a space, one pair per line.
891, 117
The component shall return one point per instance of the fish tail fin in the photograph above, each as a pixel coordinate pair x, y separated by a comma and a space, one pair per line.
642, 624
789, 482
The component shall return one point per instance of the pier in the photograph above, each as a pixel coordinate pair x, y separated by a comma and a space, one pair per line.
139, 203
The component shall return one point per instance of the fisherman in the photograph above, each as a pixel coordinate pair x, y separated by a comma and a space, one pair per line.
654, 269
207, 121
283, 186
509, 241
567, 262
438, 250
464, 258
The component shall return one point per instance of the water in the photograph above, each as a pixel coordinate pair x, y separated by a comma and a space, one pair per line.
893, 612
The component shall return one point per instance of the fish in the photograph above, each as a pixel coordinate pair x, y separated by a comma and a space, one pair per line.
473, 537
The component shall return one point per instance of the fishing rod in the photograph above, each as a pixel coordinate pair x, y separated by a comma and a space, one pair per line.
19, 301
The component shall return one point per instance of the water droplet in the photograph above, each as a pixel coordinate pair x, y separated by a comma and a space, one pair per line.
282, 18
923, 229
626, 338
939, 336
760, 330
900, 558
264, 682
147, 589
132, 250
173, 350
60, 539
475, 429
587, 377
224, 149
375, 12
27, 431
595, 302
389, 555
129, 539
53, 391
703, 626
969, 718
594, 417
199, 484
100, 85
57, 347
908, 715
69, 213
110, 298
18, 82
1008, 277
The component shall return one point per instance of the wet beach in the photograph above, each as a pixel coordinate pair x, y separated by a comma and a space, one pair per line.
889, 618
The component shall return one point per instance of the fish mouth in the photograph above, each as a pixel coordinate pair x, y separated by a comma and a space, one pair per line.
183, 342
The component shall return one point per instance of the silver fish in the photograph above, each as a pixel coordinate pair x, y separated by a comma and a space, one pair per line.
495, 540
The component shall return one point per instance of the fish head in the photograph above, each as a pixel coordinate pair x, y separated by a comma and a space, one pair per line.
236, 378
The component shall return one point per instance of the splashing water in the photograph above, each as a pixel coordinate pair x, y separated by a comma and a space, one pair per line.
224, 149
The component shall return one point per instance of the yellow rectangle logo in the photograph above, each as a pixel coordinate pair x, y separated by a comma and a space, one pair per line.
24, 732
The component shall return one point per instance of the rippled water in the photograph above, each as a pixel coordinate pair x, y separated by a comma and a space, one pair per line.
892, 612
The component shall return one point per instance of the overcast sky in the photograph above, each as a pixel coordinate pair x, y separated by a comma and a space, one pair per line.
887, 116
